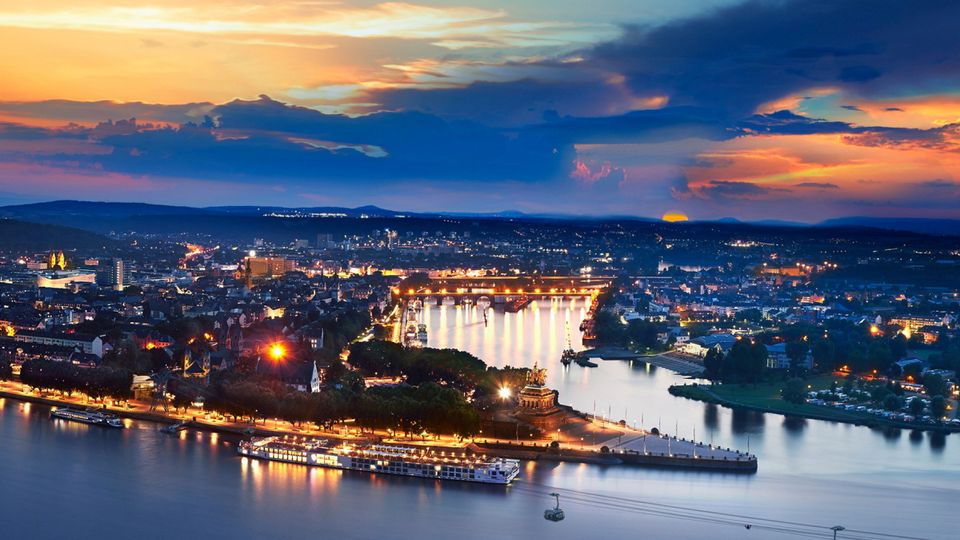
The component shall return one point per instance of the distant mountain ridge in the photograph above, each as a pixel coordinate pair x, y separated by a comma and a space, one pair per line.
73, 213
949, 227
18, 235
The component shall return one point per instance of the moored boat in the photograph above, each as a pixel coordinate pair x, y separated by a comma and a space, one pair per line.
383, 458
95, 418
422, 333
583, 361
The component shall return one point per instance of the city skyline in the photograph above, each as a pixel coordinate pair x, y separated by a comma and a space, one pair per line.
790, 110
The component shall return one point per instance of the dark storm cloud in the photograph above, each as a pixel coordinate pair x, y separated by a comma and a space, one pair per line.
817, 185
731, 189
788, 123
12, 131
510, 103
946, 138
858, 74
265, 139
939, 184
97, 111
638, 127
731, 60
742, 56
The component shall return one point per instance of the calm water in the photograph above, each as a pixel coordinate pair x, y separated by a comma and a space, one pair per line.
62, 480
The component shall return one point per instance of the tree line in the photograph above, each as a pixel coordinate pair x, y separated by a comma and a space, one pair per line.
458, 369
408, 409
745, 362
67, 378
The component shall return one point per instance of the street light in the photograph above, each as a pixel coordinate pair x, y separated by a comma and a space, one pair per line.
836, 529
504, 392
277, 351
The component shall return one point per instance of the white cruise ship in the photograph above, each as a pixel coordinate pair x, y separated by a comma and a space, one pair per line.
93, 417
383, 458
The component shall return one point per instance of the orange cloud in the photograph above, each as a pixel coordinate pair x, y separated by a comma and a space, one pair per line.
916, 112
780, 164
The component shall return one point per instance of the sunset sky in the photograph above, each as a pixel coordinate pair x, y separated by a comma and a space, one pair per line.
795, 110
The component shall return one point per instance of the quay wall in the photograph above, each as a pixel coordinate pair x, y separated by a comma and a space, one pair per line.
529, 452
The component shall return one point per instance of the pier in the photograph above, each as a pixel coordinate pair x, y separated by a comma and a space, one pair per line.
682, 364
639, 448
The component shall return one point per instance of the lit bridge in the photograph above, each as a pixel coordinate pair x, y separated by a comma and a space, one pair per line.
504, 288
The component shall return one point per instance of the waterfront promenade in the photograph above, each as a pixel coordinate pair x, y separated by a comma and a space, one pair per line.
581, 439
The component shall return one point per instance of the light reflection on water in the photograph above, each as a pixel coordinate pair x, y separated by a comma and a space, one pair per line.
59, 478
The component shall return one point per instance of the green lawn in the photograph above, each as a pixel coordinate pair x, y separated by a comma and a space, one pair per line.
766, 396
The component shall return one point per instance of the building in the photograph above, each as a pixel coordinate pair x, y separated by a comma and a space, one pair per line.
83, 342
325, 241
777, 357
267, 267
63, 279
700, 345
301, 376
116, 274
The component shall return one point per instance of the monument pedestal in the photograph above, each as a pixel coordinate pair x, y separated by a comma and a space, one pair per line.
537, 404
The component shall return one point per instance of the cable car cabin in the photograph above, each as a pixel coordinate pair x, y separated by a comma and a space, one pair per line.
555, 513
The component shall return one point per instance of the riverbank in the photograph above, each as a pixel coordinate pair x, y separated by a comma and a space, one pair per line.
765, 397
659, 452
685, 365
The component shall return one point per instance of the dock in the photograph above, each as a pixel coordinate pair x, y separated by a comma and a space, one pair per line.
643, 450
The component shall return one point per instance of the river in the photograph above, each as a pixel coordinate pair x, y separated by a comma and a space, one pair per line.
59, 479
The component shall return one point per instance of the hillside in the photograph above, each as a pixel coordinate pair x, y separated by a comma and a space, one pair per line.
22, 236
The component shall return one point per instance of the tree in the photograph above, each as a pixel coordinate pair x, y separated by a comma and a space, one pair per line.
794, 391
916, 406
6, 370
747, 360
797, 352
713, 363
892, 402
824, 354
935, 385
938, 407
898, 347
609, 329
644, 333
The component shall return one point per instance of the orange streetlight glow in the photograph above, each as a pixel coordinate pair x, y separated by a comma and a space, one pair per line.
277, 351
504, 392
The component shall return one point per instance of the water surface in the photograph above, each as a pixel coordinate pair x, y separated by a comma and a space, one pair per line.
67, 480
